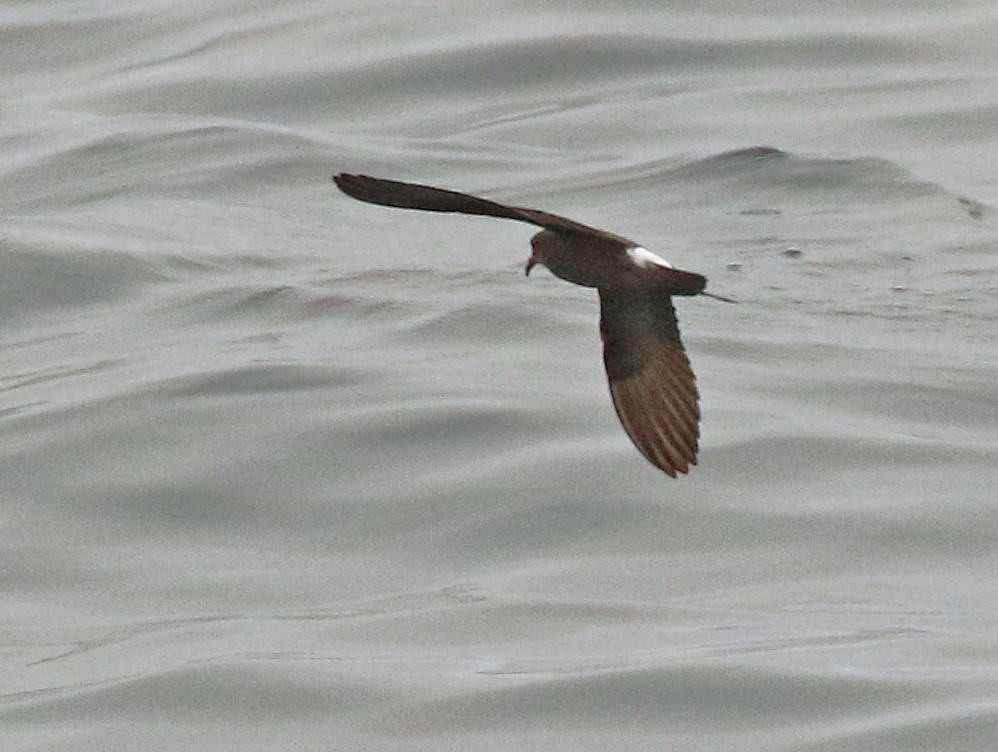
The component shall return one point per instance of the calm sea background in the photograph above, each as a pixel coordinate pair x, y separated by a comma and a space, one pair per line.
284, 471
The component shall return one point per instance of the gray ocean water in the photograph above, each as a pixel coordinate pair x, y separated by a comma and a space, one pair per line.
284, 471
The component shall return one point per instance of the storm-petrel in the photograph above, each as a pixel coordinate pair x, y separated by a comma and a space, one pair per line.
651, 382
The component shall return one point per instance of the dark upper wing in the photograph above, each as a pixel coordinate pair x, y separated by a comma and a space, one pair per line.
651, 382
427, 198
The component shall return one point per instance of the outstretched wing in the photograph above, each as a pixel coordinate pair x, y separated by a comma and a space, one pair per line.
427, 198
651, 382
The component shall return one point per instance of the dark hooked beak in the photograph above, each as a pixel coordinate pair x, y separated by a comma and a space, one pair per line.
531, 263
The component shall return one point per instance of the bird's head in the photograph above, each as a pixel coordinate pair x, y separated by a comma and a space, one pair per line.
567, 256
542, 246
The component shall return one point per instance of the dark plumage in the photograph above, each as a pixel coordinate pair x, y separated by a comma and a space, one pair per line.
651, 382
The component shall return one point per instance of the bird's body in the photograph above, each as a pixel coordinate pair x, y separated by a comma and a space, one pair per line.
651, 382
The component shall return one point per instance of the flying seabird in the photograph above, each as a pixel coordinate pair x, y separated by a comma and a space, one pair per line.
651, 382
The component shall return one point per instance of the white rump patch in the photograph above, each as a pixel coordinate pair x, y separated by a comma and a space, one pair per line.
642, 257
